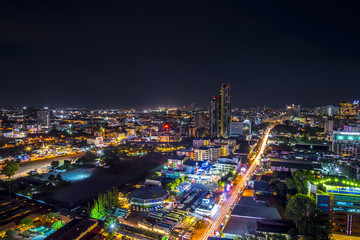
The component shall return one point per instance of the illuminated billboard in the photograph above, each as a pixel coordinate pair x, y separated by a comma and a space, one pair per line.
343, 190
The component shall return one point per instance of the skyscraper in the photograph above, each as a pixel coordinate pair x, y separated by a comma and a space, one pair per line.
43, 118
220, 113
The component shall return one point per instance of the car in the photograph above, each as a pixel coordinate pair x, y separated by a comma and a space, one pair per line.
32, 172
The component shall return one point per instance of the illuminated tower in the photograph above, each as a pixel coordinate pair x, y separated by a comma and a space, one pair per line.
220, 113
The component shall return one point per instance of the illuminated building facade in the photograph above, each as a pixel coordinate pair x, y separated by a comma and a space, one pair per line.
340, 201
346, 143
177, 162
220, 113
207, 153
349, 108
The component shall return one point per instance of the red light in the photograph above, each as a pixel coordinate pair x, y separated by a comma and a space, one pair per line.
166, 126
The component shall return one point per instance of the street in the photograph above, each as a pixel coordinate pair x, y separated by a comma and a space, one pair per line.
39, 165
220, 217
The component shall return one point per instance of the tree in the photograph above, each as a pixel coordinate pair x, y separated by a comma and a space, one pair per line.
67, 164
90, 156
10, 168
199, 224
301, 209
10, 233
58, 224
298, 181
55, 164
51, 180
170, 187
110, 223
221, 183
281, 189
26, 221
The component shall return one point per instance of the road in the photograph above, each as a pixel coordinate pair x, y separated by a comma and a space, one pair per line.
234, 195
39, 165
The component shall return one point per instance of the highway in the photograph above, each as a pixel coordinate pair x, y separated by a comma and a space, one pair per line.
225, 209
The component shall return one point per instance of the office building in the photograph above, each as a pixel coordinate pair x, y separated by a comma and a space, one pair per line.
236, 129
246, 127
340, 201
329, 126
43, 118
346, 143
220, 113
328, 110
348, 108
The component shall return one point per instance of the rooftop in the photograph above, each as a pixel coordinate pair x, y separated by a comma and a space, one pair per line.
149, 192
73, 230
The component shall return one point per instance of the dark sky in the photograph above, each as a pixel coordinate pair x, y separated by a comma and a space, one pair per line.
143, 53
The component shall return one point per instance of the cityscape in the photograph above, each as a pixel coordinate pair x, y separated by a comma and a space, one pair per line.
108, 131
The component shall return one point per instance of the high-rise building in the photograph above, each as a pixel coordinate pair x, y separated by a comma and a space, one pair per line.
329, 126
293, 110
220, 113
43, 118
200, 120
349, 108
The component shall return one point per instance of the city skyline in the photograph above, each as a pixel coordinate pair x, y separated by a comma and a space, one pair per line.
132, 55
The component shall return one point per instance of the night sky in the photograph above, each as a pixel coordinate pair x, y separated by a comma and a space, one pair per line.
152, 53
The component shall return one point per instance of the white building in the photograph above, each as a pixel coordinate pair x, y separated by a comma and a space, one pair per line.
207, 153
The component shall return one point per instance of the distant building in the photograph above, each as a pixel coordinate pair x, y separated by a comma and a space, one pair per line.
220, 113
329, 126
236, 129
293, 110
200, 120
328, 110
348, 108
246, 127
201, 142
43, 118
346, 143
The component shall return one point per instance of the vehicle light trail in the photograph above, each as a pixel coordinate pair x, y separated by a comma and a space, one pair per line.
214, 226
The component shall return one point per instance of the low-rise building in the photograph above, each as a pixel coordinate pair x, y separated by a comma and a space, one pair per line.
207, 153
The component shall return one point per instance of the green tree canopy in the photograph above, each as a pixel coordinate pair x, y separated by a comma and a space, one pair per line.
10, 168
301, 209
55, 164
298, 181
58, 224
26, 221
